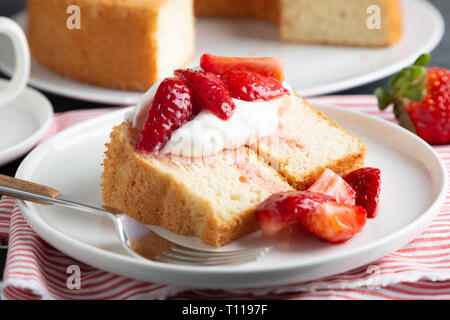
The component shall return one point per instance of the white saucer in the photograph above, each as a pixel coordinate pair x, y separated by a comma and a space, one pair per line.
23, 123
310, 69
414, 186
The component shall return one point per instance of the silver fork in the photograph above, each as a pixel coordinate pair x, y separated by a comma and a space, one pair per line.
137, 238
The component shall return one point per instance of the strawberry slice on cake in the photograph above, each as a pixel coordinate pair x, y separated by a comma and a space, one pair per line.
269, 67
172, 107
209, 92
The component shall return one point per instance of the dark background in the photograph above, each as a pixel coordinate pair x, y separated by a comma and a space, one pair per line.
440, 57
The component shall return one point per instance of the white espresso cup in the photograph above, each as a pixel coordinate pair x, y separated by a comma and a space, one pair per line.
21, 74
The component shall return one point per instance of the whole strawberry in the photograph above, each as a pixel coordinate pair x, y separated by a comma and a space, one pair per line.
421, 99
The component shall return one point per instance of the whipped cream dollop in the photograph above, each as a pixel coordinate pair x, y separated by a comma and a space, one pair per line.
206, 134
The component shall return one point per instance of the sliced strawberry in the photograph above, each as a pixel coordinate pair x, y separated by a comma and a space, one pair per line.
271, 67
252, 86
367, 184
209, 92
281, 210
334, 222
171, 108
333, 185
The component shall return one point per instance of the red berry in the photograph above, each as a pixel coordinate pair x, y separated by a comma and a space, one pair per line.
209, 92
251, 86
333, 185
281, 210
421, 99
431, 116
334, 222
271, 67
367, 184
171, 108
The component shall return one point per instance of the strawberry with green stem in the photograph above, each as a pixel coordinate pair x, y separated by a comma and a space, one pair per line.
421, 99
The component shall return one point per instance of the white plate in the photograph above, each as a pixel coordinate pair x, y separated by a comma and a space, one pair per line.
23, 122
312, 70
413, 188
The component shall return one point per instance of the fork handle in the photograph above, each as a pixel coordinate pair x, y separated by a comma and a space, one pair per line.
34, 192
28, 187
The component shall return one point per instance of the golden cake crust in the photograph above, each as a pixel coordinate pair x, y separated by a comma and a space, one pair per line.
267, 10
116, 47
395, 18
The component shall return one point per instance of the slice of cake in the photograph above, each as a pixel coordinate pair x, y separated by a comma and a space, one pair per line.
123, 44
213, 198
185, 157
371, 23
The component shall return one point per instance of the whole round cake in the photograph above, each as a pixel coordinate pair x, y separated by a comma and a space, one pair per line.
130, 44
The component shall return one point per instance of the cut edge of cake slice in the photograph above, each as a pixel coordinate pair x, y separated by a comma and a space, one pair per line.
306, 143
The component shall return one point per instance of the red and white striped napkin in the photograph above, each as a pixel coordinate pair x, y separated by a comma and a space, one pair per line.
421, 270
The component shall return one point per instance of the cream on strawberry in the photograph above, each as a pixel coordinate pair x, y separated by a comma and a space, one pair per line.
220, 120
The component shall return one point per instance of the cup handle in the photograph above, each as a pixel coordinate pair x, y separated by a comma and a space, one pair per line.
22, 64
